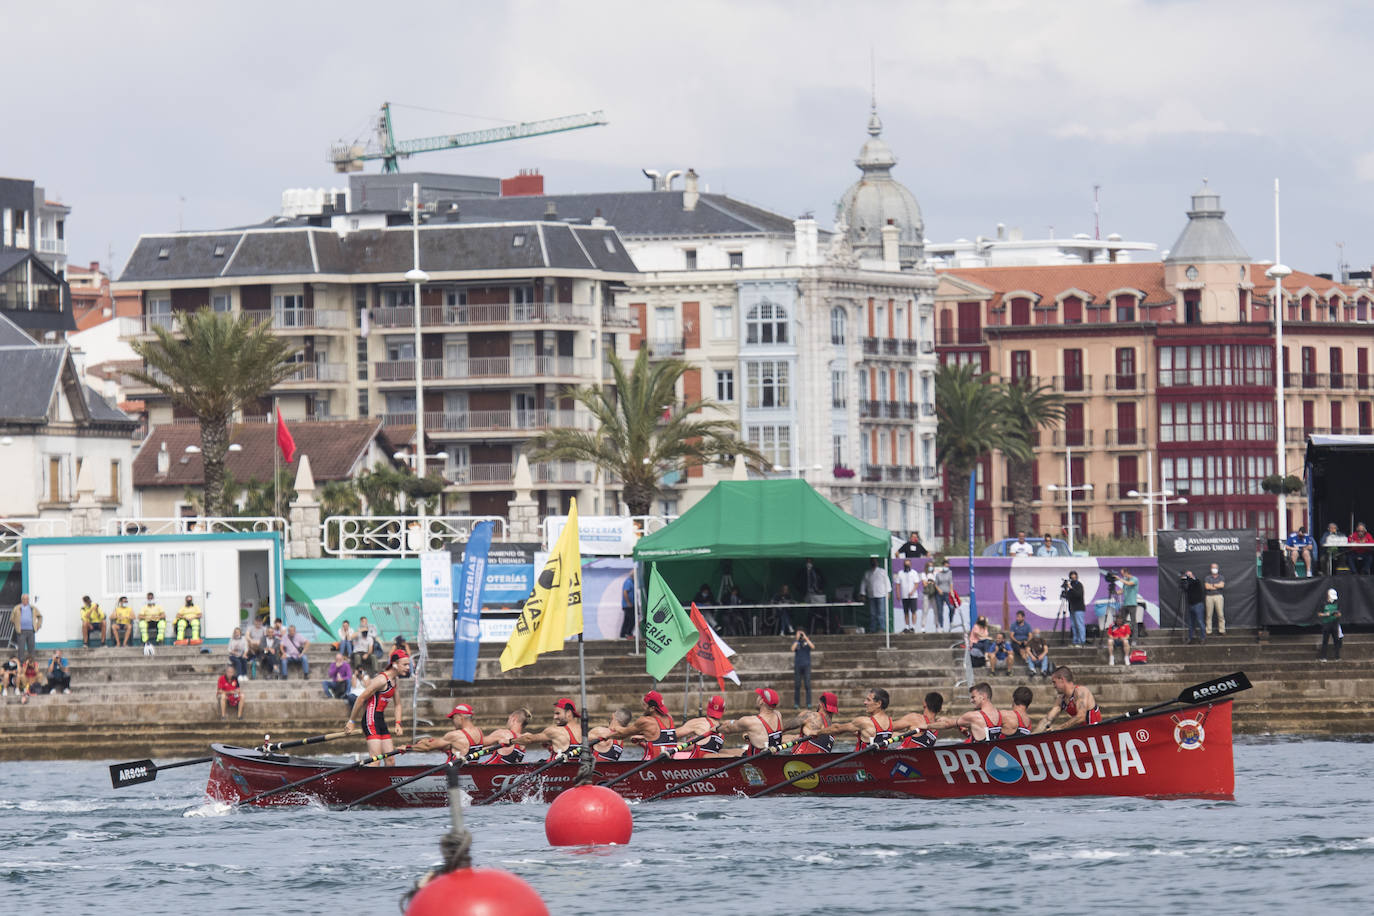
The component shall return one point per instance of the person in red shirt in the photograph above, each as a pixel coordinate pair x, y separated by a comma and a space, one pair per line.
1119, 634
1361, 557
227, 692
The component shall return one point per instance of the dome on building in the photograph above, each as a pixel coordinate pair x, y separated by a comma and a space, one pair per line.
877, 199
1206, 237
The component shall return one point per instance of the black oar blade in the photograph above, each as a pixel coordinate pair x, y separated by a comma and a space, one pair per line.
132, 773
1216, 688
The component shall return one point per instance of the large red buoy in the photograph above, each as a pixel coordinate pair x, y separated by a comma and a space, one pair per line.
477, 892
588, 816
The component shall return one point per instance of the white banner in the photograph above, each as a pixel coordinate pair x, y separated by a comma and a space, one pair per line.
599, 535
436, 593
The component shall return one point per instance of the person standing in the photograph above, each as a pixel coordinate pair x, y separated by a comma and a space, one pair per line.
1330, 619
908, 585
1193, 597
913, 549
92, 621
627, 608
27, 620
1212, 586
875, 588
1073, 596
371, 707
1130, 603
943, 579
801, 668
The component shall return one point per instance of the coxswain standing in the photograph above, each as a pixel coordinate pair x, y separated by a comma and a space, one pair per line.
1021, 699
654, 729
604, 745
464, 737
564, 733
873, 727
1075, 701
763, 730
371, 707
922, 723
812, 723
981, 723
703, 732
508, 752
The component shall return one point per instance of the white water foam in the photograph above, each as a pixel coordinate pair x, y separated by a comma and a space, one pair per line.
209, 809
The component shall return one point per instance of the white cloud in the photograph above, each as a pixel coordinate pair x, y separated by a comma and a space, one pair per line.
1364, 166
1172, 117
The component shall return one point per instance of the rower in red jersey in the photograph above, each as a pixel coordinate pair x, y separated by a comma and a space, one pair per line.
604, 745
654, 729
506, 751
981, 723
811, 723
1075, 701
564, 733
703, 732
371, 706
873, 727
1019, 714
921, 723
457, 743
763, 730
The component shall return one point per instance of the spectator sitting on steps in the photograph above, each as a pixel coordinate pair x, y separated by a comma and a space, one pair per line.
293, 647
257, 640
238, 652
93, 622
9, 676
123, 627
188, 616
227, 693
340, 676
30, 680
364, 646
1038, 655
59, 680
152, 625
356, 685
1119, 634
1001, 654
345, 643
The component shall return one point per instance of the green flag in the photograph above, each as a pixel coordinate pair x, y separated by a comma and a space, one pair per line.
668, 631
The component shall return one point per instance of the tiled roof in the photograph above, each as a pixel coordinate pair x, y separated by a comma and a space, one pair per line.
1050, 281
334, 447
636, 213
1264, 286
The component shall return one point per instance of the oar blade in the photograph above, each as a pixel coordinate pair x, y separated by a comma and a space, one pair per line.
123, 775
1216, 688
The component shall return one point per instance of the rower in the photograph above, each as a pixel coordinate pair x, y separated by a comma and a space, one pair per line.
922, 723
564, 733
873, 727
1075, 701
981, 723
604, 745
464, 737
654, 729
371, 707
508, 752
1021, 699
812, 722
703, 732
763, 730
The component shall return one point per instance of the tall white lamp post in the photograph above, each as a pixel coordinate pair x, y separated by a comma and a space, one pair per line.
1277, 273
1164, 499
1069, 488
417, 276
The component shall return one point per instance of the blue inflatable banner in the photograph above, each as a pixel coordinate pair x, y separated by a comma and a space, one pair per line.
467, 619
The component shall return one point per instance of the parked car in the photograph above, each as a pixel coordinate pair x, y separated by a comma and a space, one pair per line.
1000, 548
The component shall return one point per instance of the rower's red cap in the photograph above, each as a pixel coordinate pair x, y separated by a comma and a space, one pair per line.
770, 696
462, 709
830, 702
565, 703
716, 707
656, 698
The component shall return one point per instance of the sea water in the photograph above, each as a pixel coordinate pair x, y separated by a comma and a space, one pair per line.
1299, 837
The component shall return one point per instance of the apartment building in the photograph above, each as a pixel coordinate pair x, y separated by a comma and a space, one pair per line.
1167, 370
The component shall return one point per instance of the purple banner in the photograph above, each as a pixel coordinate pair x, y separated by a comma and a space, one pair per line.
1032, 584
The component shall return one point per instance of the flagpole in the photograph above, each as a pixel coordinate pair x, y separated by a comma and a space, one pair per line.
686, 689
634, 573
276, 458
701, 692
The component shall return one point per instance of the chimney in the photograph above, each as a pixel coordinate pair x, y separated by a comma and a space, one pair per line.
807, 241
164, 461
689, 190
598, 221
891, 248
551, 212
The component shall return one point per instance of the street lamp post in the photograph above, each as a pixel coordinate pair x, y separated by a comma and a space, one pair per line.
1069, 489
417, 276
1164, 499
1277, 273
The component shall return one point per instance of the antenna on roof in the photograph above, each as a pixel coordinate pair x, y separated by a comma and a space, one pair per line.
1097, 213
872, 79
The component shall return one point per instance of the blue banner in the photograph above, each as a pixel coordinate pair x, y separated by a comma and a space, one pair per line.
467, 604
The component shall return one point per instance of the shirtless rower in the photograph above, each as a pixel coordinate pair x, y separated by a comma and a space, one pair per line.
371, 707
654, 730
1075, 701
508, 752
981, 723
456, 743
703, 732
922, 723
605, 746
1019, 713
762, 730
564, 733
811, 723
873, 727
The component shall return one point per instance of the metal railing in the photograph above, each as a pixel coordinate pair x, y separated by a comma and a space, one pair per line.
1117, 381
400, 535
318, 372
301, 319
1125, 437
667, 346
14, 530
436, 316
53, 246
403, 370
1008, 496
1072, 384
1073, 437
1119, 490
492, 421
197, 524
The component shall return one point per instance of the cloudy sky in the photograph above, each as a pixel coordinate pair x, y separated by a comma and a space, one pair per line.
146, 115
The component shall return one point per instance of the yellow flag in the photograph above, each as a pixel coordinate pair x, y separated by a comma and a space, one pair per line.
553, 611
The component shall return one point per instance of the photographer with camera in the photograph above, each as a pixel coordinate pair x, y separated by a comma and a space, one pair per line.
1071, 592
1193, 601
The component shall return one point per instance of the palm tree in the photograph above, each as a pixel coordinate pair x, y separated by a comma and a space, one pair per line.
973, 423
643, 432
220, 363
1030, 407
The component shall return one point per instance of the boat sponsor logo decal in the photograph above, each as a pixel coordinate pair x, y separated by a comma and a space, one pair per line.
753, 775
1220, 688
794, 768
859, 775
128, 773
1189, 733
239, 780
1093, 756
905, 769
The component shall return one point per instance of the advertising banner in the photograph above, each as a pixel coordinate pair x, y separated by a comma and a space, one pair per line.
1032, 584
600, 535
1234, 553
507, 581
436, 593
386, 591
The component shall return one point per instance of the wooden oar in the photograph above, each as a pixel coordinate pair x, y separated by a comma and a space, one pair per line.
718, 770
139, 771
330, 772
825, 766
561, 757
657, 758
466, 758
1214, 689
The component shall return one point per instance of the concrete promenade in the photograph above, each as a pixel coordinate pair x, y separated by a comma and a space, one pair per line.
124, 705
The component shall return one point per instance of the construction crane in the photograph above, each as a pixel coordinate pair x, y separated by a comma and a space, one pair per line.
350, 157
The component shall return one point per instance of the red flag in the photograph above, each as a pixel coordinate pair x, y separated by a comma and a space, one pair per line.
709, 655
284, 440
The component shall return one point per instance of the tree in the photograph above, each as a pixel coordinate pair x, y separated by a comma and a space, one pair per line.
972, 415
1029, 408
340, 497
219, 364
643, 432
385, 484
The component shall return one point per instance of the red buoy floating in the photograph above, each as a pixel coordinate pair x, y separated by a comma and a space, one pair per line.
477, 892
588, 816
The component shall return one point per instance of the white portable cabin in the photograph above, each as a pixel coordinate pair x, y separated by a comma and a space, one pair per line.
227, 574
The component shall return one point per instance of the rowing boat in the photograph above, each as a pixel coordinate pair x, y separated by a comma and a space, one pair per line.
1184, 752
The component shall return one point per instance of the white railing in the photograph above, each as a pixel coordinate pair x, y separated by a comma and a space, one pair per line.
523, 367
403, 316
198, 524
53, 246
14, 530
319, 371
400, 535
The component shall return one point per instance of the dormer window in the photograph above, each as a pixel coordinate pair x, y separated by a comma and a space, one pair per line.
219, 251
610, 246
164, 253
518, 240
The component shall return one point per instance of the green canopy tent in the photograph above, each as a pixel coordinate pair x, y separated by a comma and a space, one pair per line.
765, 529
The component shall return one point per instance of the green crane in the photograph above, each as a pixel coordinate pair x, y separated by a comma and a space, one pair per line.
350, 157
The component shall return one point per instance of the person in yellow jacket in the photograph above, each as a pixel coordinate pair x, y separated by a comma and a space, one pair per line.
123, 628
188, 617
152, 625
93, 621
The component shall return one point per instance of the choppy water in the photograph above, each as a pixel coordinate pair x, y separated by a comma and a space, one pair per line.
1299, 837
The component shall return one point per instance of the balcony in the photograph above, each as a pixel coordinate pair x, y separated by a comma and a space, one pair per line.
911, 347
886, 410
502, 474
52, 246
148, 324
450, 316
1125, 438
319, 371
1116, 382
928, 409
947, 337
929, 472
1080, 495
520, 422
1073, 438
302, 319
612, 317
482, 368
927, 346
666, 346
1072, 384
1296, 435
1119, 490
1214, 378
1034, 494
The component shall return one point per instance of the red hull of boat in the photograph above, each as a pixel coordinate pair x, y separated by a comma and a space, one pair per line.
1183, 753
